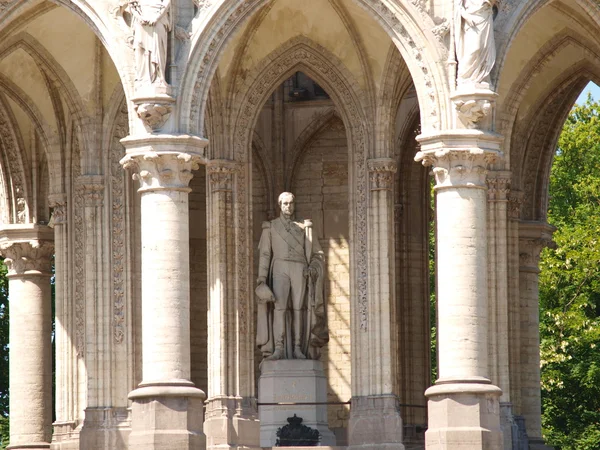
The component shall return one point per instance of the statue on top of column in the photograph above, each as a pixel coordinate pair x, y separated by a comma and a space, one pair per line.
151, 24
292, 322
475, 45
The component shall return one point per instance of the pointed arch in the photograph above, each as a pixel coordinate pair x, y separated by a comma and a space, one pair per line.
410, 31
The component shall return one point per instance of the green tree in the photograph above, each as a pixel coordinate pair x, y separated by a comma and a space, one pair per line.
570, 288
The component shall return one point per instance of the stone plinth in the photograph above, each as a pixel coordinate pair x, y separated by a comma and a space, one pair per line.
292, 382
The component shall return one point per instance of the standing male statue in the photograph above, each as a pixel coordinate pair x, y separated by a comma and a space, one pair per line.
292, 321
475, 45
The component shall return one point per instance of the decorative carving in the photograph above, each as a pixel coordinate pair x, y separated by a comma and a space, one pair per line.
459, 168
92, 190
58, 203
221, 175
297, 435
263, 83
78, 262
118, 182
498, 188
154, 113
30, 257
157, 171
15, 166
5, 4
530, 251
515, 201
381, 172
442, 29
470, 112
475, 45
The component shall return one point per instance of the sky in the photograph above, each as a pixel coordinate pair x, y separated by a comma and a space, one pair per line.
591, 87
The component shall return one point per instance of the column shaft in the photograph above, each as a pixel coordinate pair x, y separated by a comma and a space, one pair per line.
463, 404
167, 408
375, 421
30, 353
231, 412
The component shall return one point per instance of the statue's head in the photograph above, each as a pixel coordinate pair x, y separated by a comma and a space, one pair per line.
286, 203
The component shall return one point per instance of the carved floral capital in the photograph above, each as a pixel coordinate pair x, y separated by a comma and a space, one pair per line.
58, 203
381, 174
162, 171
27, 257
533, 238
221, 174
498, 186
459, 168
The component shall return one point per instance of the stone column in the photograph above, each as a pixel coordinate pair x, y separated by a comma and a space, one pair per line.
63, 424
167, 410
463, 403
28, 250
533, 237
231, 411
375, 421
498, 318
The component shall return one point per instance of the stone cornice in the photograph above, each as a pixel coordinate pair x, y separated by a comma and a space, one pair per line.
381, 173
27, 249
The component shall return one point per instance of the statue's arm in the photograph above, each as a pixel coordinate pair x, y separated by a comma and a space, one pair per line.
264, 253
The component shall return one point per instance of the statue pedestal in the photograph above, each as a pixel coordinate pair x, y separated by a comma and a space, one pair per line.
292, 381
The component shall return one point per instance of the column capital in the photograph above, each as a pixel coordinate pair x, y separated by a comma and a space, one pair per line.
381, 173
58, 203
460, 158
533, 238
221, 173
27, 250
498, 183
163, 162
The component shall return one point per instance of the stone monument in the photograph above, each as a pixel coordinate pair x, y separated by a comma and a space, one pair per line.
291, 325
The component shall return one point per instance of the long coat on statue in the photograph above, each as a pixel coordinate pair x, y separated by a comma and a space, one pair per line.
284, 242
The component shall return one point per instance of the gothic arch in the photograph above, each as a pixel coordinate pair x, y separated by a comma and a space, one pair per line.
300, 54
403, 23
540, 136
507, 125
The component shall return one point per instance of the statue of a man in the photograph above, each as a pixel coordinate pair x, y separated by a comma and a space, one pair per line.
292, 321
151, 23
475, 45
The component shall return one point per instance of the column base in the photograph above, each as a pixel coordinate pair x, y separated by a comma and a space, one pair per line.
105, 428
167, 417
463, 416
375, 423
232, 422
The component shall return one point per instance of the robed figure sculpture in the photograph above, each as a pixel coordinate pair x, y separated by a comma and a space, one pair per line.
292, 322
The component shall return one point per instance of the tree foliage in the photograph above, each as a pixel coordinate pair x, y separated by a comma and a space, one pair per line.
570, 288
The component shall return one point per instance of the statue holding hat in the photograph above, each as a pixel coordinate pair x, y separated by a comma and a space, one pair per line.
292, 322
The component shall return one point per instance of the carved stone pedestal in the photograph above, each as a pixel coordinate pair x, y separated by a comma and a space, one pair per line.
292, 381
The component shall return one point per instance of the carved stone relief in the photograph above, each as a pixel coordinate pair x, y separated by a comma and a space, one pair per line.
78, 244
27, 257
